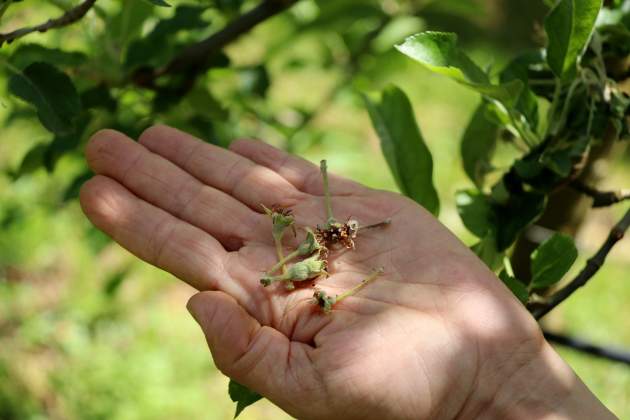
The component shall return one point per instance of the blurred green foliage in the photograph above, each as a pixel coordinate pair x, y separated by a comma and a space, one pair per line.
88, 332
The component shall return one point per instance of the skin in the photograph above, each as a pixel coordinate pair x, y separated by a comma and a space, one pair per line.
437, 336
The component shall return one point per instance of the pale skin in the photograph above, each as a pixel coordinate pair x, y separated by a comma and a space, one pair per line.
437, 336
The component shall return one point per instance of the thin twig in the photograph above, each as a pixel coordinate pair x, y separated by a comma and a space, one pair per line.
330, 218
592, 266
616, 355
196, 58
601, 198
68, 18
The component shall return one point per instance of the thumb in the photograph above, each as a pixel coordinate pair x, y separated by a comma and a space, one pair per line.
256, 356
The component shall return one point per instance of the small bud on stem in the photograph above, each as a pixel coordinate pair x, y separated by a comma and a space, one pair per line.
307, 269
325, 302
281, 219
307, 247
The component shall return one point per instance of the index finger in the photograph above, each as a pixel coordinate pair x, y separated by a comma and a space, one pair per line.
229, 172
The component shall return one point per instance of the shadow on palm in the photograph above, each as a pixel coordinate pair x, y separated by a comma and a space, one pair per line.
195, 210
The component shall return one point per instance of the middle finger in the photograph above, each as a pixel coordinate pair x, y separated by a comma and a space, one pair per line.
165, 185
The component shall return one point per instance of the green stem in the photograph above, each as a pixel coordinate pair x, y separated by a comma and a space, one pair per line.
329, 212
274, 279
282, 260
360, 286
554, 106
280, 253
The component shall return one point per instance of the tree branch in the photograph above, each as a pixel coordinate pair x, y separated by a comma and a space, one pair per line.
616, 355
66, 19
592, 266
601, 198
196, 58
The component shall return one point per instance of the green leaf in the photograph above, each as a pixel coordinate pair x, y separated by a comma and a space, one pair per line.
114, 281
552, 260
439, 53
486, 250
476, 212
128, 23
156, 48
478, 145
51, 92
242, 396
33, 160
72, 190
516, 287
406, 153
99, 96
59, 147
518, 69
515, 215
160, 3
569, 26
506, 93
27, 54
254, 80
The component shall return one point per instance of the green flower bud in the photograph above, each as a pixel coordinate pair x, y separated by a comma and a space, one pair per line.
307, 269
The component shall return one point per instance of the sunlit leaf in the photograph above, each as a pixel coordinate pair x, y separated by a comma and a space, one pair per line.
569, 27
406, 153
438, 52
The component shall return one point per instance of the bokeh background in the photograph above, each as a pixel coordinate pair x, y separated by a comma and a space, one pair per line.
89, 332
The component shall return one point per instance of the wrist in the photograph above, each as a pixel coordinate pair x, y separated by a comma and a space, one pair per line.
541, 386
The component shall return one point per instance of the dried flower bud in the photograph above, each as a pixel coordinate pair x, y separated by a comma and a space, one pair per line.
333, 233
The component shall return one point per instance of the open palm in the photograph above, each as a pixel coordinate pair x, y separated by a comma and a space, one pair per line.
412, 344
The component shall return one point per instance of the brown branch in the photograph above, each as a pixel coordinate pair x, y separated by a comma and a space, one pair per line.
196, 58
601, 198
592, 266
68, 18
616, 355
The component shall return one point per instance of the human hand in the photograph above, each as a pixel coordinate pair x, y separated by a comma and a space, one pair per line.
436, 336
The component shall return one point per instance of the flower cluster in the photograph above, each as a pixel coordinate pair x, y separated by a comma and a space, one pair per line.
313, 250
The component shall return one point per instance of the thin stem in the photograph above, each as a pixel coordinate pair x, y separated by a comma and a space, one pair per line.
277, 239
283, 260
327, 201
601, 198
592, 266
195, 59
68, 18
554, 105
360, 286
384, 223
